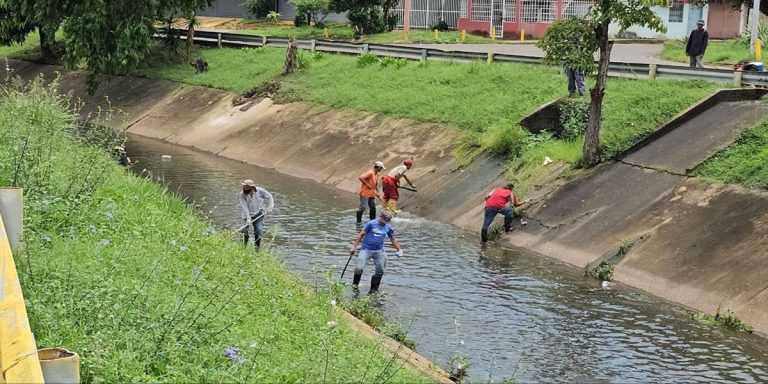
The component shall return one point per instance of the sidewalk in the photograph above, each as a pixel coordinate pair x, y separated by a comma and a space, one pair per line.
623, 53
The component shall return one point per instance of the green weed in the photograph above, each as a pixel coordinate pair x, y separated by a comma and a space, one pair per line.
602, 271
726, 52
728, 320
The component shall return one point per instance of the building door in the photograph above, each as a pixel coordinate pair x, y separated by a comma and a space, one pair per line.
497, 17
722, 20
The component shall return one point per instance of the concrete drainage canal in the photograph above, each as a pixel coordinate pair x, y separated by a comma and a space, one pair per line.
510, 313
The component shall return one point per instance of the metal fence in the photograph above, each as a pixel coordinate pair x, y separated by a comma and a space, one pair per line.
426, 14
631, 70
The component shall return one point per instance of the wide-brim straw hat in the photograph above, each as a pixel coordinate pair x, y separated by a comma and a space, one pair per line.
248, 182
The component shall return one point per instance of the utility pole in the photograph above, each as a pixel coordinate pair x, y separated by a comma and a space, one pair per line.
754, 25
407, 16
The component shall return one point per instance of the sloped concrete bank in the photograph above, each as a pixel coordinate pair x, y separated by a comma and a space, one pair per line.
700, 244
694, 243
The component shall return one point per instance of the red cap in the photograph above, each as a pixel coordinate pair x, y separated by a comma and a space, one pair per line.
408, 162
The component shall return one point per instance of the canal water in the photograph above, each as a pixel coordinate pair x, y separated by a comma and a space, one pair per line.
510, 313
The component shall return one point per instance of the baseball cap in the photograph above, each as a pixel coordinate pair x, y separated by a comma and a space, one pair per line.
700, 22
379, 164
386, 216
408, 162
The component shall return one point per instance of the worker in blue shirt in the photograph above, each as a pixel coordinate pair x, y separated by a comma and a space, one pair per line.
372, 237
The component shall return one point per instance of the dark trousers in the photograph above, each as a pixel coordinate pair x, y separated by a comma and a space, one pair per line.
490, 214
371, 203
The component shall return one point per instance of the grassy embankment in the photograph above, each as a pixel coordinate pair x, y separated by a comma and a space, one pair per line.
727, 52
485, 102
745, 162
125, 273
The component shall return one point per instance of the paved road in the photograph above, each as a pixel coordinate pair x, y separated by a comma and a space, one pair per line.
627, 53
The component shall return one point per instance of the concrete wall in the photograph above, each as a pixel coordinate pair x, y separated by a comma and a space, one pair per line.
674, 30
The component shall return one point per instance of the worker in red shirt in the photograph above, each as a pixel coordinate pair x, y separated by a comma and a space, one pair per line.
495, 203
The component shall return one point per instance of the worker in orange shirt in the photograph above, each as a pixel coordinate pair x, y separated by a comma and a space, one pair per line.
369, 191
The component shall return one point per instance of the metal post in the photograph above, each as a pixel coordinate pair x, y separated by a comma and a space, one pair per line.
365, 48
263, 41
652, 71
218, 39
423, 55
490, 57
12, 211
407, 17
737, 78
312, 44
754, 25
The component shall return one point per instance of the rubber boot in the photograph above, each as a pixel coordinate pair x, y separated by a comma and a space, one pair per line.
245, 239
484, 235
359, 218
508, 224
356, 278
375, 282
258, 243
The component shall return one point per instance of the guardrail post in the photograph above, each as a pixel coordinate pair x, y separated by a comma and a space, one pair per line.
490, 57
312, 44
652, 71
737, 78
423, 55
218, 39
263, 41
12, 211
365, 48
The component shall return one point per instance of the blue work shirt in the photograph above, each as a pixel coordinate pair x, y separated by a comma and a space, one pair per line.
375, 232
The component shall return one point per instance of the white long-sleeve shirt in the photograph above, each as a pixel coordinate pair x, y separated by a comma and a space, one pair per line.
252, 204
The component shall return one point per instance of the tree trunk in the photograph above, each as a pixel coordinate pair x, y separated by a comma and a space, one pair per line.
290, 56
591, 152
46, 44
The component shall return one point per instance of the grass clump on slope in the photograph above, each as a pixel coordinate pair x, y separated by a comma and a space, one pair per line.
123, 272
745, 162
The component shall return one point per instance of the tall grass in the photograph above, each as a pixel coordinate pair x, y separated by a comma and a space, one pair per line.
123, 272
745, 162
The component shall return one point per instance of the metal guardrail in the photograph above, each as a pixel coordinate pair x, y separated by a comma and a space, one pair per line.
632, 70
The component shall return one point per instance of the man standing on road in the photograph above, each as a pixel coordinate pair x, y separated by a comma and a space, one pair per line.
495, 203
697, 45
369, 191
252, 209
372, 236
391, 182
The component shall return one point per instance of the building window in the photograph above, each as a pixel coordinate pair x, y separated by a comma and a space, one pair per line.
538, 11
576, 7
676, 11
509, 10
481, 10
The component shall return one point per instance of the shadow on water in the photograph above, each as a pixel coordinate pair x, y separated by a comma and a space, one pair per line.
510, 312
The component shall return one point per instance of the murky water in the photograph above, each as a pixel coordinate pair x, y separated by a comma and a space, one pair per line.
513, 314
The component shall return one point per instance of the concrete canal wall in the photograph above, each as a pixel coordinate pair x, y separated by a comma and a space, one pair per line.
682, 239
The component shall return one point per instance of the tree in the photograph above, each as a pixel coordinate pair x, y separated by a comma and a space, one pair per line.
316, 10
20, 17
367, 16
572, 42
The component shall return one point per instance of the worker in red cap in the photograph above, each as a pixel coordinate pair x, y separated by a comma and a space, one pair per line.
391, 182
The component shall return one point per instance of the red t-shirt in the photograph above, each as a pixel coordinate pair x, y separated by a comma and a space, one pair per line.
498, 198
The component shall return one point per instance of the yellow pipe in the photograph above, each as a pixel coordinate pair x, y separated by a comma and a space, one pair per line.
18, 352
758, 49
493, 33
463, 35
437, 34
522, 35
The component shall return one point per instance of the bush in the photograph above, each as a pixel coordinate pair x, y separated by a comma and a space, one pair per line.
440, 26
602, 272
273, 17
300, 20
366, 59
258, 8
573, 119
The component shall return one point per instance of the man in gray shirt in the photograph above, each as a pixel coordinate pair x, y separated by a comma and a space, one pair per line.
252, 209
